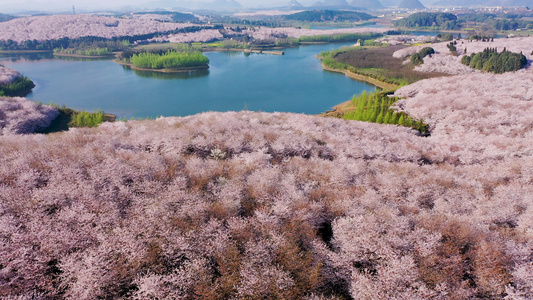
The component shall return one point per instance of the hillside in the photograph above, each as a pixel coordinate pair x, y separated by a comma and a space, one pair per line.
426, 19
75, 26
411, 4
8, 75
20, 116
484, 3
332, 4
443, 61
277, 205
367, 4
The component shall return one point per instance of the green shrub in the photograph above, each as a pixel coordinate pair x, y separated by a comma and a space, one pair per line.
426, 51
86, 119
416, 59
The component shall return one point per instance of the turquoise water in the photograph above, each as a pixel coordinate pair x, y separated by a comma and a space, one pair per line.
294, 82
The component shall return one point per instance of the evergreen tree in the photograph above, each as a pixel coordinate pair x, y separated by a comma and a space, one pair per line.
401, 120
379, 119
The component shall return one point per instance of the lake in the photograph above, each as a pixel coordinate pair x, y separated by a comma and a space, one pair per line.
294, 82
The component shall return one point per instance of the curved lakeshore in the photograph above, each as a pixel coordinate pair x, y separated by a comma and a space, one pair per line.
347, 106
176, 70
380, 84
302, 84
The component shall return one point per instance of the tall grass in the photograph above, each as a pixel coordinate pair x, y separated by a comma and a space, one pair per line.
169, 60
85, 52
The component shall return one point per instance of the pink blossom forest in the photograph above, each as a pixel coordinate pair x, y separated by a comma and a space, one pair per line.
251, 205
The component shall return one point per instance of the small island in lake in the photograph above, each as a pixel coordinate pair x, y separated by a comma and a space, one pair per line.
84, 53
180, 60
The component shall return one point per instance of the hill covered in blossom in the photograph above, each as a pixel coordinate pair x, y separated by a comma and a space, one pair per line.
277, 205
263, 33
42, 28
74, 26
20, 116
7, 75
256, 205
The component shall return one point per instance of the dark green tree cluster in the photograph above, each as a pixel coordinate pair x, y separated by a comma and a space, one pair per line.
482, 38
443, 20
20, 87
328, 16
491, 61
374, 107
418, 58
452, 47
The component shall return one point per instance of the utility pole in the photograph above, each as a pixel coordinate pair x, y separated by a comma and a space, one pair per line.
73, 10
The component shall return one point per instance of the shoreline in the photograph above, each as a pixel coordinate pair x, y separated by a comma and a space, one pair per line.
83, 56
346, 106
24, 51
260, 51
180, 70
380, 84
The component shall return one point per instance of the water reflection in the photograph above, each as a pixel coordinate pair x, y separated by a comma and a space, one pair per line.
17, 57
168, 76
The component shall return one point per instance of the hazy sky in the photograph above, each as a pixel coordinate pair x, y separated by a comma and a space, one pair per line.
92, 4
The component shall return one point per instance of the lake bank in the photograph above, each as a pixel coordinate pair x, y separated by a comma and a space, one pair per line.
259, 51
380, 84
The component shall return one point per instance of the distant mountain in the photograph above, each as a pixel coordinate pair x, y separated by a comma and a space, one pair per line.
411, 4
485, 3
332, 4
224, 4
295, 4
367, 4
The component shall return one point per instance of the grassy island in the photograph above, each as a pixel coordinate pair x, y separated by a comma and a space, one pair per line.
169, 61
84, 53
